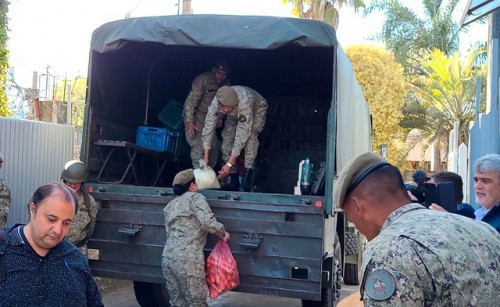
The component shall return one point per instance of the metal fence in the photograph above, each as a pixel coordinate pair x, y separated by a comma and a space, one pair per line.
34, 153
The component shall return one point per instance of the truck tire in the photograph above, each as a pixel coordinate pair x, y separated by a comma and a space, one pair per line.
351, 274
351, 243
151, 295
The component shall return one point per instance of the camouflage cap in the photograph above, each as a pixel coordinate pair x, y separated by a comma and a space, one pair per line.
223, 65
353, 173
227, 96
183, 177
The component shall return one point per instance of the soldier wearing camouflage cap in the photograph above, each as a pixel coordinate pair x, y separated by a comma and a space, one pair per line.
415, 256
203, 89
188, 219
5, 198
246, 112
74, 175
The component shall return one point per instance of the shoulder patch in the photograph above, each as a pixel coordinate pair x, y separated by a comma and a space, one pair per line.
242, 118
380, 285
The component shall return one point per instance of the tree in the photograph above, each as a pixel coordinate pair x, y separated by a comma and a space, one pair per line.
4, 57
324, 10
411, 37
444, 96
77, 93
381, 78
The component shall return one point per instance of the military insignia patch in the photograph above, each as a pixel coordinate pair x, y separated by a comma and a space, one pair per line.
380, 285
242, 118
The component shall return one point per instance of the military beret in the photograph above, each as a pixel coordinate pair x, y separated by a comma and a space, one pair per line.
354, 172
223, 65
183, 177
227, 96
1, 157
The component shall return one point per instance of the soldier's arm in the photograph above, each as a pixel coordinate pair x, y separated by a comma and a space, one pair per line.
244, 128
93, 217
206, 217
396, 277
193, 99
211, 121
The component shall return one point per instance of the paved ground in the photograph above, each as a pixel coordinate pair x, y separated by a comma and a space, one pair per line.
121, 294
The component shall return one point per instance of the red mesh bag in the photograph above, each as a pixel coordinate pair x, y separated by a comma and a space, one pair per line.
222, 271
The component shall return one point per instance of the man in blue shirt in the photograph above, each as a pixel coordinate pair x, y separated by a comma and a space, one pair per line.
41, 268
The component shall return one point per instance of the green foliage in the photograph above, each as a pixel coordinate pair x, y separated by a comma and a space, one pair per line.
327, 11
445, 95
78, 91
410, 37
4, 57
381, 78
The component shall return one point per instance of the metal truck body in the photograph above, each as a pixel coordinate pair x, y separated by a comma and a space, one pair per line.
284, 244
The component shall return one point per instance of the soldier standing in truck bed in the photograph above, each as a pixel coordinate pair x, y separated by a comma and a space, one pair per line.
5, 198
74, 175
202, 92
246, 116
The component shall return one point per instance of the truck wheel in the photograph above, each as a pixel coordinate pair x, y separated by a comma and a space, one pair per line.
151, 295
351, 243
351, 270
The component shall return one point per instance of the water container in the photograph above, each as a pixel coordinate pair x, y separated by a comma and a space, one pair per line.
306, 178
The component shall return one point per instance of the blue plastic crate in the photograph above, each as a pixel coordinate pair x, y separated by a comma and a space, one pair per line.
154, 138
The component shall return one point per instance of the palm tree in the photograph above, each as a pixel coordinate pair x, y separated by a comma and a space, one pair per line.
324, 10
444, 96
410, 37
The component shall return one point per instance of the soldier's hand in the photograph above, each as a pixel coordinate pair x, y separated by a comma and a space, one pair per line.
224, 171
437, 207
226, 236
191, 129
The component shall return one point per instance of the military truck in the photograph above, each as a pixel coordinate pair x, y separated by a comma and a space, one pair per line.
140, 73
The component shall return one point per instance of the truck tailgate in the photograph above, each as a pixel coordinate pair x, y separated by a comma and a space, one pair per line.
277, 240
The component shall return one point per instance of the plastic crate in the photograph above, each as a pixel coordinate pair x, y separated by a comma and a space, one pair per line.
180, 146
171, 115
153, 138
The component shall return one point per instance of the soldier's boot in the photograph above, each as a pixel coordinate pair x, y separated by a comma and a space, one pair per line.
234, 184
246, 181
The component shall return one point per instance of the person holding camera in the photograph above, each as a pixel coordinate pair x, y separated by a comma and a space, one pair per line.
462, 208
486, 189
415, 256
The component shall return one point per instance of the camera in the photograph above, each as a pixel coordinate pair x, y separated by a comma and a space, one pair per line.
442, 193
427, 193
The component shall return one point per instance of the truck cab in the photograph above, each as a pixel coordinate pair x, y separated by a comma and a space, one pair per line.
140, 73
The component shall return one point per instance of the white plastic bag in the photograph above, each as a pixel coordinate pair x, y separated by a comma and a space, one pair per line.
206, 178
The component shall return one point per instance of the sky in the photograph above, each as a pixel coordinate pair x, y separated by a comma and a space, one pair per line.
57, 33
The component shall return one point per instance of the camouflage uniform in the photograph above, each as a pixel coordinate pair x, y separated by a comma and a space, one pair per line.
84, 222
5, 202
242, 125
427, 258
188, 219
203, 90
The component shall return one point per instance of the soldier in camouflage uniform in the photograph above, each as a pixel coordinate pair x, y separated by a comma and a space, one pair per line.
246, 116
5, 198
416, 256
202, 92
188, 219
74, 175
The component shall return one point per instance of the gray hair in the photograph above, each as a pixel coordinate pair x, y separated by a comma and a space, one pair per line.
488, 164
